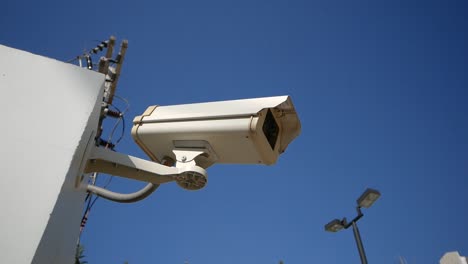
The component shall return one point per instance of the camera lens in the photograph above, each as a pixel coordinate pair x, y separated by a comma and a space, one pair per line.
271, 129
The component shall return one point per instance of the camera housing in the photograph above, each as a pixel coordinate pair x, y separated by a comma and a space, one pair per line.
247, 131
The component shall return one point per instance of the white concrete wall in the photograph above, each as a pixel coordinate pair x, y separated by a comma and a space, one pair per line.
49, 110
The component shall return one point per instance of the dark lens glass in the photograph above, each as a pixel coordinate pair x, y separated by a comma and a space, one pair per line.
271, 129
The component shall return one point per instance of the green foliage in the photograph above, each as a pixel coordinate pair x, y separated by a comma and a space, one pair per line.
79, 255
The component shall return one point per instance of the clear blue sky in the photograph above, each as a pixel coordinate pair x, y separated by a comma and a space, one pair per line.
381, 90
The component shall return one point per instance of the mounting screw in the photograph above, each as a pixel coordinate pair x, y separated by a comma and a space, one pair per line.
184, 158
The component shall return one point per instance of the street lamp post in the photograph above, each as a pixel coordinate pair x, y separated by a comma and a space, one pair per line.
365, 200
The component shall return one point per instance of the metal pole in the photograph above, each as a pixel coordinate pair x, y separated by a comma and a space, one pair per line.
360, 247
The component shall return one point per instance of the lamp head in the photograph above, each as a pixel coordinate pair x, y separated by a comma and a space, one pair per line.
334, 226
368, 198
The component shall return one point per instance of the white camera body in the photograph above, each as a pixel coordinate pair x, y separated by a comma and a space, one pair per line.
248, 131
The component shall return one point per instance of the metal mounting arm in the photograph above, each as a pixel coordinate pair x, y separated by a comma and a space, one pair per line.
357, 235
118, 164
107, 161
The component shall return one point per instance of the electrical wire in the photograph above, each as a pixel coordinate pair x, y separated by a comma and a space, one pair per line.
122, 118
124, 100
123, 131
100, 47
89, 197
111, 134
74, 59
89, 206
84, 218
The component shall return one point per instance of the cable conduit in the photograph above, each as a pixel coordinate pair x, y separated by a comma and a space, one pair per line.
123, 197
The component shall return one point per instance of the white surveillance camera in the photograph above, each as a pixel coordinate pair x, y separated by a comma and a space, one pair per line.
249, 131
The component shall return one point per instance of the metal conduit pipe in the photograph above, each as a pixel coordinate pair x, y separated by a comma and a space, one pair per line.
123, 197
129, 197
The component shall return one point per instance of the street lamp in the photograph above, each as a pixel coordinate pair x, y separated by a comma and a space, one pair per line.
365, 200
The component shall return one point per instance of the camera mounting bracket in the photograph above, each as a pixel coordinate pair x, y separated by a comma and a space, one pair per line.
118, 164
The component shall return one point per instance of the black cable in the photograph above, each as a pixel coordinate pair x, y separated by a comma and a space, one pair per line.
94, 201
100, 47
110, 138
111, 134
84, 218
122, 117
89, 196
89, 206
123, 131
